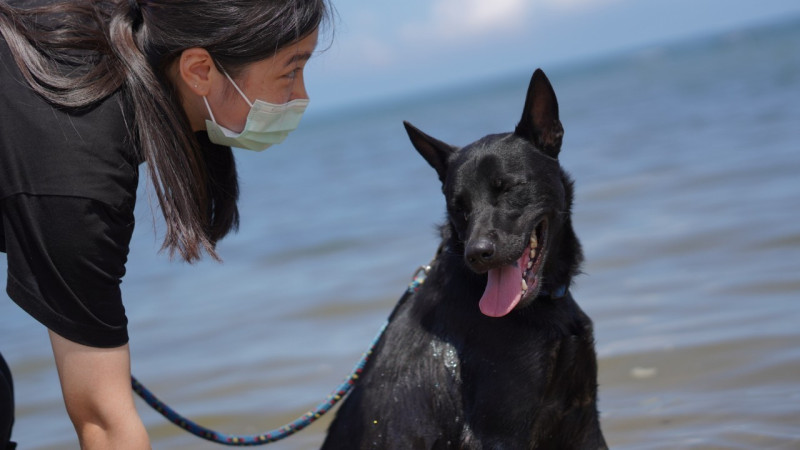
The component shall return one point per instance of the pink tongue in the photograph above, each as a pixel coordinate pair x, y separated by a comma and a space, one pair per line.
503, 290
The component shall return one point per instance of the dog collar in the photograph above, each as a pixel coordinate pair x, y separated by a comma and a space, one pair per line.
558, 293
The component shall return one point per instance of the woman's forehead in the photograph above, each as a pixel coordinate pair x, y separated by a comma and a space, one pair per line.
290, 56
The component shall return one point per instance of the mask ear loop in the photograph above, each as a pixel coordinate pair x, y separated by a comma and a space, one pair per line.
237, 88
205, 100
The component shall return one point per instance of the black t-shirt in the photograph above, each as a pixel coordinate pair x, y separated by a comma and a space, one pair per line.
67, 193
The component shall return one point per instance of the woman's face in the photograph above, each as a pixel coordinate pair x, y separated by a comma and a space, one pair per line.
278, 79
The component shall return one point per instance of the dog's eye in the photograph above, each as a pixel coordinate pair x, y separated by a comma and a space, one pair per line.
500, 186
460, 211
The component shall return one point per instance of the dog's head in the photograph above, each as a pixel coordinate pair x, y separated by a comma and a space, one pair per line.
508, 204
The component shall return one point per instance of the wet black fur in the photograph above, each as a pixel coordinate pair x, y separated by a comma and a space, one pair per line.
445, 376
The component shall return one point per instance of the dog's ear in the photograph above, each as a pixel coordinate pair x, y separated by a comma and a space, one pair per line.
540, 124
433, 150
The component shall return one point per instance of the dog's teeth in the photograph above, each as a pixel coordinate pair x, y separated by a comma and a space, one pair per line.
533, 253
530, 264
524, 285
534, 241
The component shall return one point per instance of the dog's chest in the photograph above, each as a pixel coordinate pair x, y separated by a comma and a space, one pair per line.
445, 356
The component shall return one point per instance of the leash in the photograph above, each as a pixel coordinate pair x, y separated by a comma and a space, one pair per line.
288, 429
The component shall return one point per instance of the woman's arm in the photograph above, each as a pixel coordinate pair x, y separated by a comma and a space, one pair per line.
96, 383
66, 259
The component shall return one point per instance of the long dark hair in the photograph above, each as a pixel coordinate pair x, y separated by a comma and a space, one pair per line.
129, 45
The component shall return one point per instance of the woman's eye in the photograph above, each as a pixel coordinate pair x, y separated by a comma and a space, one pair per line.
293, 74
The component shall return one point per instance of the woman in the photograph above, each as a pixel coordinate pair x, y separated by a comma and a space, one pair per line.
89, 90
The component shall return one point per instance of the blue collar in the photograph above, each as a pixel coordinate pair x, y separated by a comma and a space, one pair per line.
558, 293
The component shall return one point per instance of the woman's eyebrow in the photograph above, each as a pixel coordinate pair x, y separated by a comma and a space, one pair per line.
298, 57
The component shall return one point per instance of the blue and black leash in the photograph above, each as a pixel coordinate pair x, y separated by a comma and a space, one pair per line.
288, 429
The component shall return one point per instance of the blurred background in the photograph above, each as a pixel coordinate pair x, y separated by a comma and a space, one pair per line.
681, 122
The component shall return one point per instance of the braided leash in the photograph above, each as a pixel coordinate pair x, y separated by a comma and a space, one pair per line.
286, 430
263, 438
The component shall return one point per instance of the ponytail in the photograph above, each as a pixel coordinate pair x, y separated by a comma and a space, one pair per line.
177, 169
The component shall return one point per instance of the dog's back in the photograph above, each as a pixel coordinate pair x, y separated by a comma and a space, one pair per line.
491, 351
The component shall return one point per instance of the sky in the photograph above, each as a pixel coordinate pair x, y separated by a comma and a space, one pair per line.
387, 49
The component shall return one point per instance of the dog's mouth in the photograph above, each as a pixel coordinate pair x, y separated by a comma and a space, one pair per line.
508, 285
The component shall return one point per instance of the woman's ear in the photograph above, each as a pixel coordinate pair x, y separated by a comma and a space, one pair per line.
197, 70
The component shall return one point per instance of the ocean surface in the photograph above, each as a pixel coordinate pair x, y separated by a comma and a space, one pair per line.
687, 166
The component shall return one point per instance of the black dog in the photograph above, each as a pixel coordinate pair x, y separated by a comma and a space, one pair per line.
491, 352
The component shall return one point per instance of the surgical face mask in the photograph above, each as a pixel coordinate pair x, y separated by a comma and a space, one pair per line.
267, 123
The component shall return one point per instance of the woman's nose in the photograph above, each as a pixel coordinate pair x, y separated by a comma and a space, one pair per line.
299, 89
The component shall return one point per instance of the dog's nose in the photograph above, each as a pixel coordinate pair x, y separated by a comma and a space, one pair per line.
480, 251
